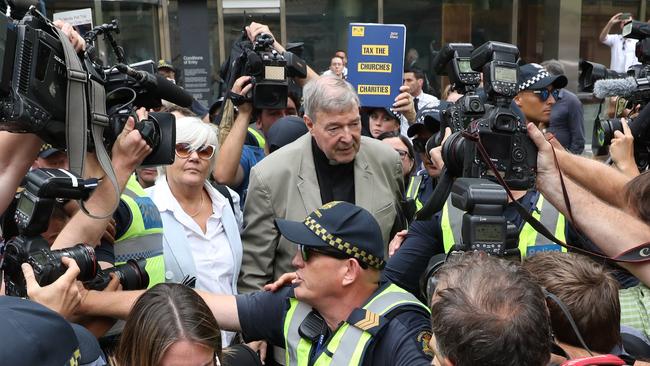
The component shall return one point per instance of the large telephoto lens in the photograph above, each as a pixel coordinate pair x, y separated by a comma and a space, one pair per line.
48, 267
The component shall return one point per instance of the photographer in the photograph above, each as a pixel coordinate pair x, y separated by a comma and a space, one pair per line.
243, 145
622, 49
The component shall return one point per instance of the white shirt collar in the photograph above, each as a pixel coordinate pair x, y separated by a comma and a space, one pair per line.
165, 200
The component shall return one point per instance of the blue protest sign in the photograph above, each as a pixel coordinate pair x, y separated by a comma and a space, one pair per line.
376, 62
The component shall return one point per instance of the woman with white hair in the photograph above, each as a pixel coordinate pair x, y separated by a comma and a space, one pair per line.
200, 232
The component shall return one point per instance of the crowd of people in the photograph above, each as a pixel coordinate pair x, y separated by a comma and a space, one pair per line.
288, 237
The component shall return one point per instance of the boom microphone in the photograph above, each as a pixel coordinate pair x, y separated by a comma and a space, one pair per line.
164, 88
615, 88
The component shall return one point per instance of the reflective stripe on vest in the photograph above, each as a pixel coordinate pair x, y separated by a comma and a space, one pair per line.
349, 343
452, 219
413, 190
261, 141
143, 237
550, 217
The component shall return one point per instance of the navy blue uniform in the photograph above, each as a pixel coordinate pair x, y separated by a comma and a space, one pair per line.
402, 342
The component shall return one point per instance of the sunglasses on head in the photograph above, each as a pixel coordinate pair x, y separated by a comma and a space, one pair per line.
543, 94
184, 150
306, 253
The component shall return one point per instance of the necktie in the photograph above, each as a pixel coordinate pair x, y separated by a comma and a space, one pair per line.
415, 103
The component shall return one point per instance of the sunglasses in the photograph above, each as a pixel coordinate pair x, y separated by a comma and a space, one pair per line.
205, 152
307, 252
543, 94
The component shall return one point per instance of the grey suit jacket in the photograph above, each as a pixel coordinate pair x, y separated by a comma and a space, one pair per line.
284, 185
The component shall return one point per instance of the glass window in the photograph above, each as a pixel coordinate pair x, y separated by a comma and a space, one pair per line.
323, 26
138, 26
595, 15
432, 24
530, 30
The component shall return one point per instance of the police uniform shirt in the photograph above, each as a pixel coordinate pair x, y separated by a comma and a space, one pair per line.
404, 341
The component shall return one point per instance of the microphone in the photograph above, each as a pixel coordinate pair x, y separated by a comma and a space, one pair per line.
163, 88
615, 88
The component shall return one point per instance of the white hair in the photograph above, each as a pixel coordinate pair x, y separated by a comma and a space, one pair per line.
193, 131
329, 94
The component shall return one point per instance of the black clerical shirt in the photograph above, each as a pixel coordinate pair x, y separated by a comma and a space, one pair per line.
336, 181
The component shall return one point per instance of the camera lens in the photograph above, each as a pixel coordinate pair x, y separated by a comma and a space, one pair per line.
133, 275
606, 131
48, 267
453, 151
84, 255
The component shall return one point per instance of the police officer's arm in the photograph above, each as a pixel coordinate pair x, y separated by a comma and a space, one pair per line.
118, 304
129, 151
611, 229
604, 181
227, 167
256, 28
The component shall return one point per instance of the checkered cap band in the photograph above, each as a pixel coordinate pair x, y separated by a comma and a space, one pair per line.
541, 74
343, 246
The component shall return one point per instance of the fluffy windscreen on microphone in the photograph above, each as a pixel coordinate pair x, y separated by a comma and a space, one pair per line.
614, 87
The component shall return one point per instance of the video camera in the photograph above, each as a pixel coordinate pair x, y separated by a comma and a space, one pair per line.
497, 136
269, 69
35, 95
632, 91
42, 188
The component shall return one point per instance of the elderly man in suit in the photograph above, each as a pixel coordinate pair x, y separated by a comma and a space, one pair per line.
331, 163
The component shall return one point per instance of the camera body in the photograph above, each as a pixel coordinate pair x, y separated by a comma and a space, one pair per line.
484, 228
33, 82
454, 61
42, 188
499, 130
270, 71
46, 263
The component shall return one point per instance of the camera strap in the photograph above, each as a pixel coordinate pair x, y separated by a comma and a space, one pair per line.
637, 254
85, 98
76, 105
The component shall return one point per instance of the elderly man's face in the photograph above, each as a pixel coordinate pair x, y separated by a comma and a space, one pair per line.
534, 108
337, 134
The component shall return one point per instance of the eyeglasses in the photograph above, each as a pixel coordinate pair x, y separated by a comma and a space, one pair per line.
205, 152
543, 94
306, 253
402, 154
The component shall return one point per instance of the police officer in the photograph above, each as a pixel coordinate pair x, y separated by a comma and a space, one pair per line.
139, 231
337, 311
